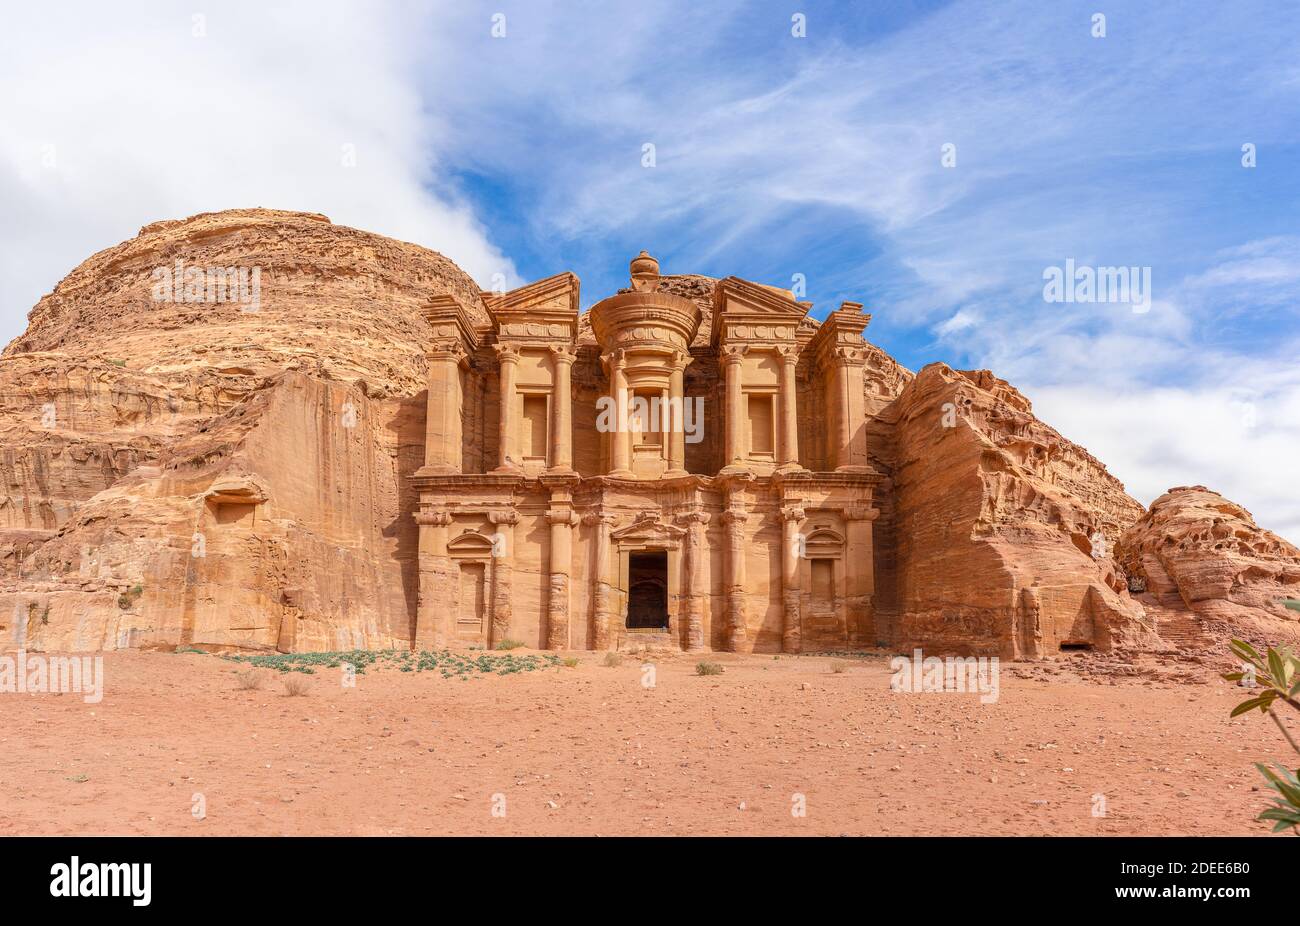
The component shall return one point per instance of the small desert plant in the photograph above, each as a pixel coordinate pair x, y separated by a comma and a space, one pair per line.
128, 598
1277, 673
249, 680
612, 659
1291, 604
839, 666
508, 644
571, 662
708, 668
295, 686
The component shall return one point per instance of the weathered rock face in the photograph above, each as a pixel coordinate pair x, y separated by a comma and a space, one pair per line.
210, 435
1195, 551
1000, 525
225, 471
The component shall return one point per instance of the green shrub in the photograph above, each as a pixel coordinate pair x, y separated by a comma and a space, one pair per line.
1276, 675
708, 668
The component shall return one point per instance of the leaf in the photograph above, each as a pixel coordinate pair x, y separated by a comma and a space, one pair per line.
1242, 648
1245, 706
1276, 667
1290, 817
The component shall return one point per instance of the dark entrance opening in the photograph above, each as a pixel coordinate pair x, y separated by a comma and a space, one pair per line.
647, 591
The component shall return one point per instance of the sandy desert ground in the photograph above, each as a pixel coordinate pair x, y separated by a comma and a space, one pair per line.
590, 750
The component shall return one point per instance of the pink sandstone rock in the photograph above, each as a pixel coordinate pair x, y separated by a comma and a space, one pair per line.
1210, 572
323, 460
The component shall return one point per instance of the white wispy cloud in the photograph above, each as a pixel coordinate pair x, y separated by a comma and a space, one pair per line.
1100, 150
1110, 151
119, 115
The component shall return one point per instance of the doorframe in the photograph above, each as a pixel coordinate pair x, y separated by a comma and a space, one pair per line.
674, 586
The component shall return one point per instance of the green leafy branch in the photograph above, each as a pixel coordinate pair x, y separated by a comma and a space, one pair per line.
1277, 676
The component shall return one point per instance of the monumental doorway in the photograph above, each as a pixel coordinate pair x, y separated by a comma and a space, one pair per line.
647, 591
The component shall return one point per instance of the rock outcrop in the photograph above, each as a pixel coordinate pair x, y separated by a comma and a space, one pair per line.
208, 435
1207, 572
1001, 526
220, 471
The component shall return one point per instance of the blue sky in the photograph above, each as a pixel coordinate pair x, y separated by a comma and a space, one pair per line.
775, 155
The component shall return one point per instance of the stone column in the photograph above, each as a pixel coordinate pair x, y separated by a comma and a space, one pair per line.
602, 588
508, 427
789, 410
503, 556
734, 451
621, 438
677, 429
562, 426
561, 519
433, 608
850, 413
442, 429
697, 596
737, 630
792, 555
859, 575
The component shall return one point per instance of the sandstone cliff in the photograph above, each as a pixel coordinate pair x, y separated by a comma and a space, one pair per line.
235, 472
227, 472
1000, 526
1207, 572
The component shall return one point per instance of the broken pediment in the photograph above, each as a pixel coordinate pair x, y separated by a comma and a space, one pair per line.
747, 312
546, 309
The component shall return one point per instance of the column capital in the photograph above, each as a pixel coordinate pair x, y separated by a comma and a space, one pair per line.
734, 353
861, 513
447, 349
681, 360
793, 513
507, 353
563, 353
848, 356
734, 516
613, 359
599, 517
504, 517
789, 354
437, 517
691, 518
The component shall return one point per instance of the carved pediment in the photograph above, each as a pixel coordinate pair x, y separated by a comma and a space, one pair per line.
470, 544
650, 530
745, 311
545, 309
